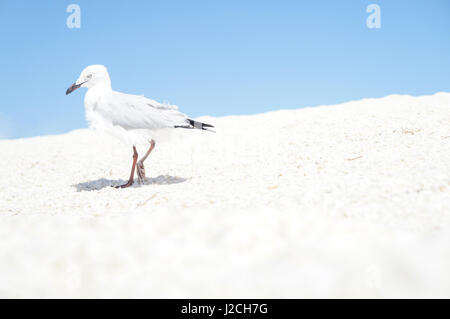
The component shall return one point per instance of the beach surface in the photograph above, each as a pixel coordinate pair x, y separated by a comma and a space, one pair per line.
348, 200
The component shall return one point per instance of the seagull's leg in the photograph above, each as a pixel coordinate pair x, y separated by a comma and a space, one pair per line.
131, 180
140, 164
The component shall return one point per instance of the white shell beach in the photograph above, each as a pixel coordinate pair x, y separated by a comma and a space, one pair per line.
348, 200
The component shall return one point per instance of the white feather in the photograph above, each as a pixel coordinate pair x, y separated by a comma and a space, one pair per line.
137, 112
133, 118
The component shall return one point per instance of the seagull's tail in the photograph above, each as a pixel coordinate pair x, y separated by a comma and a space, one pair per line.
191, 124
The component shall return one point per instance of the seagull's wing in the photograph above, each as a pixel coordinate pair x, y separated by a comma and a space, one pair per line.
138, 112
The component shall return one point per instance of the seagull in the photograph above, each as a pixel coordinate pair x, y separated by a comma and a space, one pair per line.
131, 117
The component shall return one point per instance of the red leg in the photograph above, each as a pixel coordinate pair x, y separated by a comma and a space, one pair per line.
140, 164
131, 180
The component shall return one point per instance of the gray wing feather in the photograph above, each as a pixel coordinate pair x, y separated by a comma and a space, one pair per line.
138, 112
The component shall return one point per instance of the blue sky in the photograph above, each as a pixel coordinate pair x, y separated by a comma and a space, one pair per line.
216, 57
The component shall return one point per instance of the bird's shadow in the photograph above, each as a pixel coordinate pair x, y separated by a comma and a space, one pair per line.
103, 183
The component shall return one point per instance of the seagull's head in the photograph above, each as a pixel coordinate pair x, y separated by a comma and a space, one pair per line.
90, 77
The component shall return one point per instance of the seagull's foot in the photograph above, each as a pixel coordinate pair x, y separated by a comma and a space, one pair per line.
130, 183
140, 172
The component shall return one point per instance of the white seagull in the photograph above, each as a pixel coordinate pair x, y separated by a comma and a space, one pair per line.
131, 116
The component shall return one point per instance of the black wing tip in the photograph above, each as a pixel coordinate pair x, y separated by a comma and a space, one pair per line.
202, 125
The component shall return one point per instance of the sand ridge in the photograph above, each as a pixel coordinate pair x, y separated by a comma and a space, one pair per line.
349, 200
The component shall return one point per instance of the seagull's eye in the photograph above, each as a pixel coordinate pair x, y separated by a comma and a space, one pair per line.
89, 76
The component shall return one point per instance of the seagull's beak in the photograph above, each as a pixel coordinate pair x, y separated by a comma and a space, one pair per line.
72, 88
